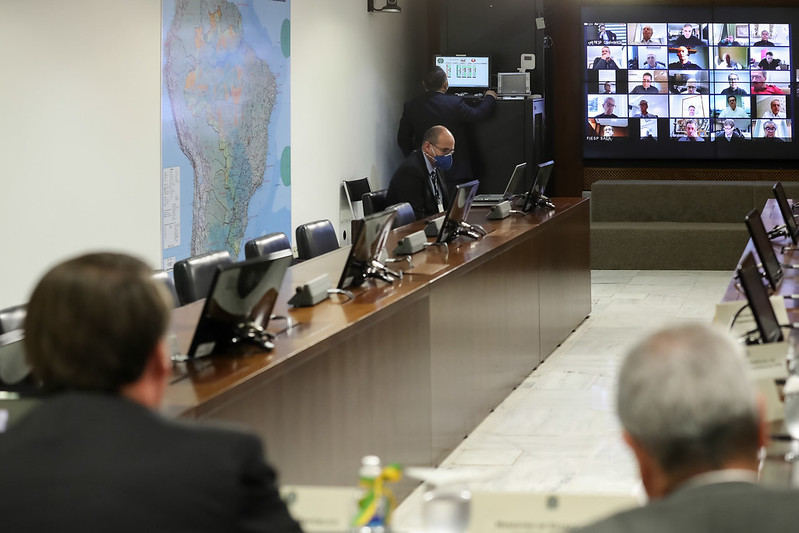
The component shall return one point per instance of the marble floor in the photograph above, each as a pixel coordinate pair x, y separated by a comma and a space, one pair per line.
557, 431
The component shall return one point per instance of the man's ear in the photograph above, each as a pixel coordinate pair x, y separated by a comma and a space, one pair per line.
651, 473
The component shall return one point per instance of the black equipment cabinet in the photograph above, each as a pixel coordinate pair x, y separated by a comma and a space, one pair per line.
514, 134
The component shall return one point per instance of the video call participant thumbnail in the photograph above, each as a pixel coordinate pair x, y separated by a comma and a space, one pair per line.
764, 39
605, 61
730, 133
760, 85
687, 37
733, 88
770, 132
646, 86
691, 132
651, 62
768, 62
683, 63
608, 107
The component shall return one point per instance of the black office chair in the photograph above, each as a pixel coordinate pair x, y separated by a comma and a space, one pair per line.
12, 318
374, 201
193, 276
405, 214
354, 190
161, 276
315, 238
266, 244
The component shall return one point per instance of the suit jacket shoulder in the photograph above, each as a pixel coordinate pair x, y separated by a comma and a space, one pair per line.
729, 507
410, 183
117, 462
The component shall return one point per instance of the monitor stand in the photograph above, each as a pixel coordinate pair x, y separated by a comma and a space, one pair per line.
252, 333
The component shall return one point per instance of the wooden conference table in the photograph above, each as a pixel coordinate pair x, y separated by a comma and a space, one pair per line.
404, 371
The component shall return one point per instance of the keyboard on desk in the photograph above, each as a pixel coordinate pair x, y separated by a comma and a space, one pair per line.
482, 200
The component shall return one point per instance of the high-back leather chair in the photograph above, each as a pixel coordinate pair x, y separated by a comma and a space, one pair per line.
405, 214
354, 190
374, 201
266, 244
161, 276
315, 238
193, 276
12, 318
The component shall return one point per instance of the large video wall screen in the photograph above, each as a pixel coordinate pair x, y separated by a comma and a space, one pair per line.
666, 83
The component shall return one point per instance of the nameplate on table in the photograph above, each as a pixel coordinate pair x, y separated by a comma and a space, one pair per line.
321, 509
744, 321
529, 512
768, 360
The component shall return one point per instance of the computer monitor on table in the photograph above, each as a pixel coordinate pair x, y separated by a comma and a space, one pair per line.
750, 279
762, 244
465, 72
455, 220
369, 242
239, 304
535, 196
791, 228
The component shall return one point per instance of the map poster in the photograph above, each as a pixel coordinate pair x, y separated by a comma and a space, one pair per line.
225, 124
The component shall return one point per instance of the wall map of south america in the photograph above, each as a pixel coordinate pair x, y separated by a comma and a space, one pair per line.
225, 124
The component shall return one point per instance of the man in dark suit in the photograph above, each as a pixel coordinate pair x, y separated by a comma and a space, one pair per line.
436, 107
420, 178
95, 455
606, 36
692, 418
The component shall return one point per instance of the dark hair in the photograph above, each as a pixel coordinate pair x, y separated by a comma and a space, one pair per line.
435, 78
93, 321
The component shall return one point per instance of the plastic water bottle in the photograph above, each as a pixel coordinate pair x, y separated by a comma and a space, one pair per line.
372, 507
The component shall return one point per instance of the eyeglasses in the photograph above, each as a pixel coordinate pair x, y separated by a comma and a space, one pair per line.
770, 128
445, 151
733, 79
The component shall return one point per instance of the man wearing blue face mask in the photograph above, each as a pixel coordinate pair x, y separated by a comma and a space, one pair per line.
420, 179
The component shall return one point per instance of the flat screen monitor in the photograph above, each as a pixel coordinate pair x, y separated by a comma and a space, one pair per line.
369, 242
756, 296
465, 72
762, 244
676, 82
535, 195
513, 83
787, 214
239, 304
455, 220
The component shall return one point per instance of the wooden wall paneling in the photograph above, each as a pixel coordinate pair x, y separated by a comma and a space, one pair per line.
368, 394
484, 341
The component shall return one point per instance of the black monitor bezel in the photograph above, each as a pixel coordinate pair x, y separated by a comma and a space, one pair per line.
449, 227
762, 244
221, 333
538, 187
749, 277
462, 88
363, 254
791, 228
626, 151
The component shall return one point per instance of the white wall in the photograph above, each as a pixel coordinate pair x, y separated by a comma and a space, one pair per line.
351, 71
80, 128
79, 134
